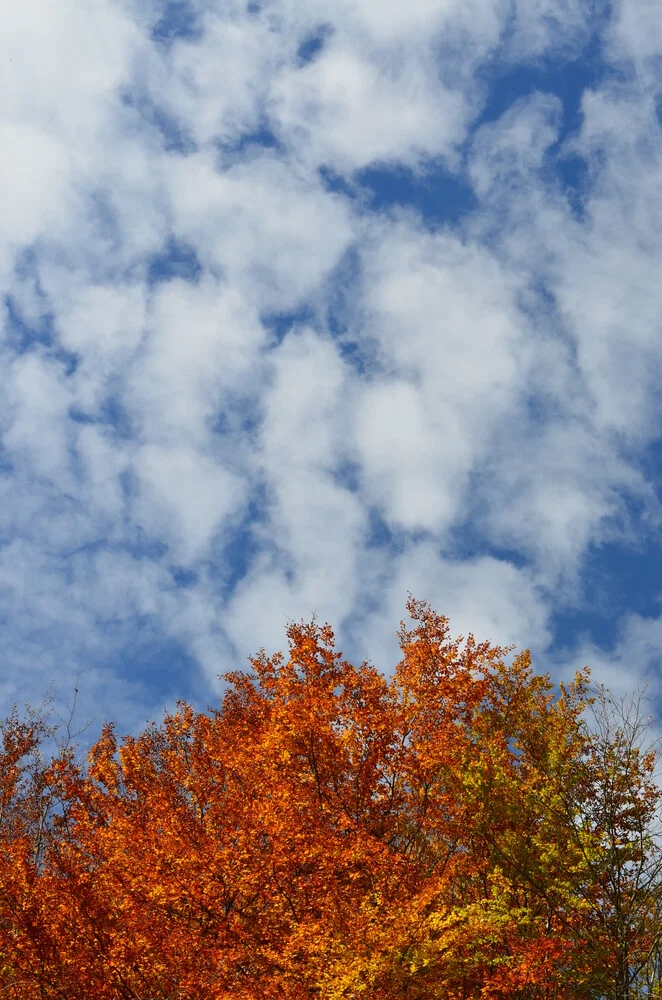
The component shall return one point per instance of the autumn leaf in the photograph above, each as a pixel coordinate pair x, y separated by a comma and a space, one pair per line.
455, 831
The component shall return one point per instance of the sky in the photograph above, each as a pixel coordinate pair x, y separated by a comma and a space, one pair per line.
308, 306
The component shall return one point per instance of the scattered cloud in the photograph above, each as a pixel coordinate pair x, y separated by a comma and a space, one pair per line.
304, 310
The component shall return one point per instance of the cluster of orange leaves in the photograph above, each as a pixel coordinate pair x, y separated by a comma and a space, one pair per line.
326, 833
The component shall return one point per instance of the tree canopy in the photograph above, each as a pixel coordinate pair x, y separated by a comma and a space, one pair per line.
457, 830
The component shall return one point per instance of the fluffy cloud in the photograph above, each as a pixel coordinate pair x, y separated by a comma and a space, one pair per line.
234, 393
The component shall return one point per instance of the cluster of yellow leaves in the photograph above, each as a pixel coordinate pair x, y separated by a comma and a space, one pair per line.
326, 833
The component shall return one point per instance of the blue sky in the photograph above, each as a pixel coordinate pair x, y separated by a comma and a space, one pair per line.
309, 306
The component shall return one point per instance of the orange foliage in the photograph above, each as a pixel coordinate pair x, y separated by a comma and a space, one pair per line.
326, 833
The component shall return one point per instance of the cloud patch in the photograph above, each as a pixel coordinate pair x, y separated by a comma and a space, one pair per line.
306, 309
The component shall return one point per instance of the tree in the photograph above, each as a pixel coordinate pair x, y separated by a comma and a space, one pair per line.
454, 831
617, 824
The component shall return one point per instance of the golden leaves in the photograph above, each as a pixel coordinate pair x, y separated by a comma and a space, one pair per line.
325, 834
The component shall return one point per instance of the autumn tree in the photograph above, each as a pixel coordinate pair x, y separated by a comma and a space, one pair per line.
616, 822
457, 830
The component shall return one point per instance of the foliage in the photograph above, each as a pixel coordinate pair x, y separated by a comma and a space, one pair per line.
456, 831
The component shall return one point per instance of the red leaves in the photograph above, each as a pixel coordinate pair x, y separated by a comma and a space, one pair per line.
326, 833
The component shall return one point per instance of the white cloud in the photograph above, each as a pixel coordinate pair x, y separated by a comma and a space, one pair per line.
200, 355
506, 152
100, 322
271, 231
510, 366
542, 26
62, 64
314, 525
555, 492
305, 406
636, 30
183, 498
38, 401
392, 23
103, 462
401, 444
564, 484
632, 664
444, 317
345, 111
217, 85
37, 167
